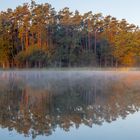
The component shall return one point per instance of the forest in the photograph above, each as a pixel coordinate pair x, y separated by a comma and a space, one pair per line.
36, 36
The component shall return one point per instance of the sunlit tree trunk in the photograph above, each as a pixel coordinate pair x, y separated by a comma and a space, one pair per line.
27, 40
39, 39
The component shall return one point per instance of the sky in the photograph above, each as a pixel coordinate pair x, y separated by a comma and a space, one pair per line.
127, 9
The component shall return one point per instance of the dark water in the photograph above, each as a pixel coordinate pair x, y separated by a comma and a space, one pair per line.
65, 105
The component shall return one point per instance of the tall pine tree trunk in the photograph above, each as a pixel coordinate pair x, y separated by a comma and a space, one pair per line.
26, 40
39, 40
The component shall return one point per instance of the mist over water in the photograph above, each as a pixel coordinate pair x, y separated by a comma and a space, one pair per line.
38, 104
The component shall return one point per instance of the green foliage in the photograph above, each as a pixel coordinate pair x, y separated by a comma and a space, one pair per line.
34, 56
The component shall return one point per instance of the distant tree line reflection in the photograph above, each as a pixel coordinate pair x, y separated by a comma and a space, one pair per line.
38, 103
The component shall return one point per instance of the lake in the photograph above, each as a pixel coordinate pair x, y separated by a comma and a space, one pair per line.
69, 105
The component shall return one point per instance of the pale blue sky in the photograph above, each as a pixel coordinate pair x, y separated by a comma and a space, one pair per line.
128, 9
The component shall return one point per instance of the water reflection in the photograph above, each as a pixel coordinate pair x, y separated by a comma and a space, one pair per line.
36, 103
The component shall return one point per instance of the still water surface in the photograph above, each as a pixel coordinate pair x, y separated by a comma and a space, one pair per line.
69, 105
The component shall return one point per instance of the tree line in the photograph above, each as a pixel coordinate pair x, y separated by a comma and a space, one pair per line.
36, 35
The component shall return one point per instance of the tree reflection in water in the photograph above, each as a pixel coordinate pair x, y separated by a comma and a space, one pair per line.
36, 103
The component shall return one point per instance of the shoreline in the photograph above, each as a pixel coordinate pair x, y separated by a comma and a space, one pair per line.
74, 69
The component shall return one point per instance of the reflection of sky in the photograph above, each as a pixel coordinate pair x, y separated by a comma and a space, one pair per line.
119, 8
127, 129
